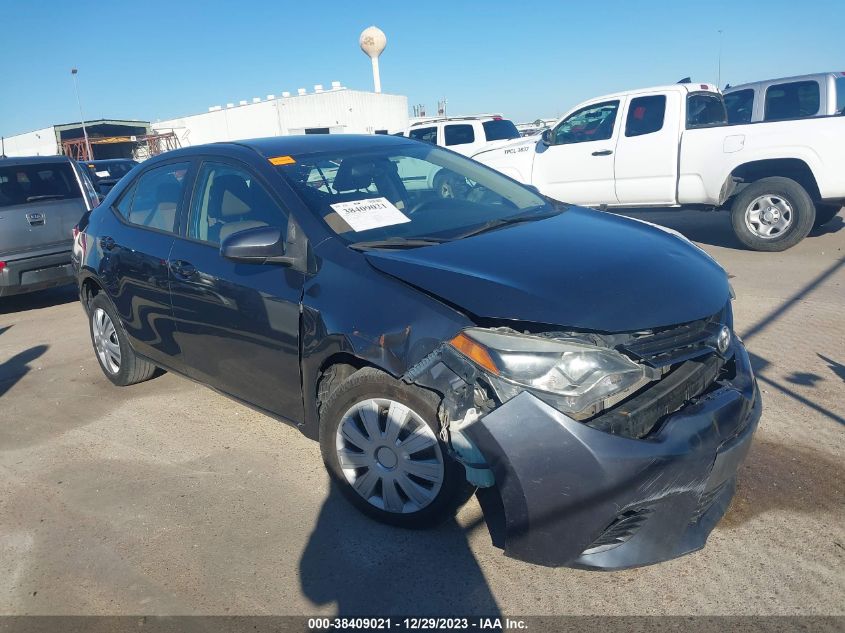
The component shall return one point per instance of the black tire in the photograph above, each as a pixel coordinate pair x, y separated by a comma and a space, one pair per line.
132, 369
825, 213
369, 383
803, 213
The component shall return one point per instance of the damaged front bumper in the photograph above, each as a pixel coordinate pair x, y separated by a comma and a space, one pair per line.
568, 494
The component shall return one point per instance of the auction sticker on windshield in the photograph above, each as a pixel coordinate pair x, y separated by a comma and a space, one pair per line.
372, 213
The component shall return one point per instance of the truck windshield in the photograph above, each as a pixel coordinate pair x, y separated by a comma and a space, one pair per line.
500, 130
405, 192
20, 184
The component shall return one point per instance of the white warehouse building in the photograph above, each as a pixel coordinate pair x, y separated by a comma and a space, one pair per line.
337, 110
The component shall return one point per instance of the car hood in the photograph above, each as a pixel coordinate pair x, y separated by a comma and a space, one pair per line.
582, 269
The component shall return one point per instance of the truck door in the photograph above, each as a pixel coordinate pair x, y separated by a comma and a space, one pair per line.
646, 168
577, 165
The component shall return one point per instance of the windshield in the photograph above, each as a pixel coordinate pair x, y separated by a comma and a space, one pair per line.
20, 184
110, 170
407, 192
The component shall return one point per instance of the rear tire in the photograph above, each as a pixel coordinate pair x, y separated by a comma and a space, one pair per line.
116, 357
772, 214
825, 213
395, 468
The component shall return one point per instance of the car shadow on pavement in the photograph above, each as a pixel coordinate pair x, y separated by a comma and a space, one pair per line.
793, 479
15, 368
709, 227
38, 300
368, 569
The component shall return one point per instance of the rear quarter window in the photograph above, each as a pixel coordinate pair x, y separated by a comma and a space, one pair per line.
792, 100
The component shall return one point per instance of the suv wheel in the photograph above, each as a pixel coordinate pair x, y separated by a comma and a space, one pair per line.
117, 359
772, 214
378, 437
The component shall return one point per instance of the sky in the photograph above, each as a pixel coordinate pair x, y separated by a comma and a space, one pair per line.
159, 59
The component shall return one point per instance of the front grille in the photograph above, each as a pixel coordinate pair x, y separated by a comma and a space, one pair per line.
673, 345
620, 530
687, 355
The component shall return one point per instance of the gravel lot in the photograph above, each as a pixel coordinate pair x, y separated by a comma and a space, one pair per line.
167, 498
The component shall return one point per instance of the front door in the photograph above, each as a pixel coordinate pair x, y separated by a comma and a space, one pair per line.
237, 324
578, 166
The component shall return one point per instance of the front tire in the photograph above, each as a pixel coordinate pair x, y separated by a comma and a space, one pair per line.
117, 359
772, 214
379, 441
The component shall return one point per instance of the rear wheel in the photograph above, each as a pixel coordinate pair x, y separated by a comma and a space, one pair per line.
825, 213
379, 440
117, 359
772, 214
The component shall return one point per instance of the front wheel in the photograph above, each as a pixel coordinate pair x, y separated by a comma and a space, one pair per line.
379, 441
772, 214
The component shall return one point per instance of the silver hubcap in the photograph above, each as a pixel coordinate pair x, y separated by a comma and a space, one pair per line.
389, 455
768, 216
105, 341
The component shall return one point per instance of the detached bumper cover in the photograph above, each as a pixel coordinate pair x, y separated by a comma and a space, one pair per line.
572, 495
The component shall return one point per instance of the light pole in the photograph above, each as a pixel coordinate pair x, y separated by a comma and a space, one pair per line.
74, 71
719, 65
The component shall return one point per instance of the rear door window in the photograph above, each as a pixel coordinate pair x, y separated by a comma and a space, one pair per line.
740, 105
20, 184
500, 130
792, 100
154, 200
459, 134
704, 110
425, 134
645, 115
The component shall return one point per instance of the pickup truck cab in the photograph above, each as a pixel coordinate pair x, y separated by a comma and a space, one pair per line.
671, 146
41, 200
821, 94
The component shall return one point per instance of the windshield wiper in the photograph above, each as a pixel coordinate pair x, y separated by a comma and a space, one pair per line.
396, 242
495, 224
49, 196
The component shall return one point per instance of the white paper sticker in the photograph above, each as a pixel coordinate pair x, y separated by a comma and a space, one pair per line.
372, 213
102, 174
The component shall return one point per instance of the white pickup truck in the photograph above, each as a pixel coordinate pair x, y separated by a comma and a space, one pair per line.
671, 146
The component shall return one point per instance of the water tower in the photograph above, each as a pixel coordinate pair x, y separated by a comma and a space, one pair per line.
372, 41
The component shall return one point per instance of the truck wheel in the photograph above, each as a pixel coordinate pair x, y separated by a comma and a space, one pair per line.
117, 359
772, 214
379, 440
825, 213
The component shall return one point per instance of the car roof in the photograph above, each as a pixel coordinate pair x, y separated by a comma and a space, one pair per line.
102, 161
780, 80
32, 160
299, 145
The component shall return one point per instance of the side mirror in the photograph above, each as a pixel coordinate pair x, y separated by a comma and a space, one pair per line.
548, 138
259, 245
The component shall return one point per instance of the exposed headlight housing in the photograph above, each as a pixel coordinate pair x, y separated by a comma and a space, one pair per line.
574, 376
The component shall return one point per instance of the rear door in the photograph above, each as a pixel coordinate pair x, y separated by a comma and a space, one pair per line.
135, 248
238, 324
578, 166
40, 203
646, 165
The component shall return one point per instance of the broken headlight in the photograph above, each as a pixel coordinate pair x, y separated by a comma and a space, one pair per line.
574, 376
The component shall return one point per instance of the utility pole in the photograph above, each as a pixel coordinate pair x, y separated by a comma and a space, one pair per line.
74, 71
719, 64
